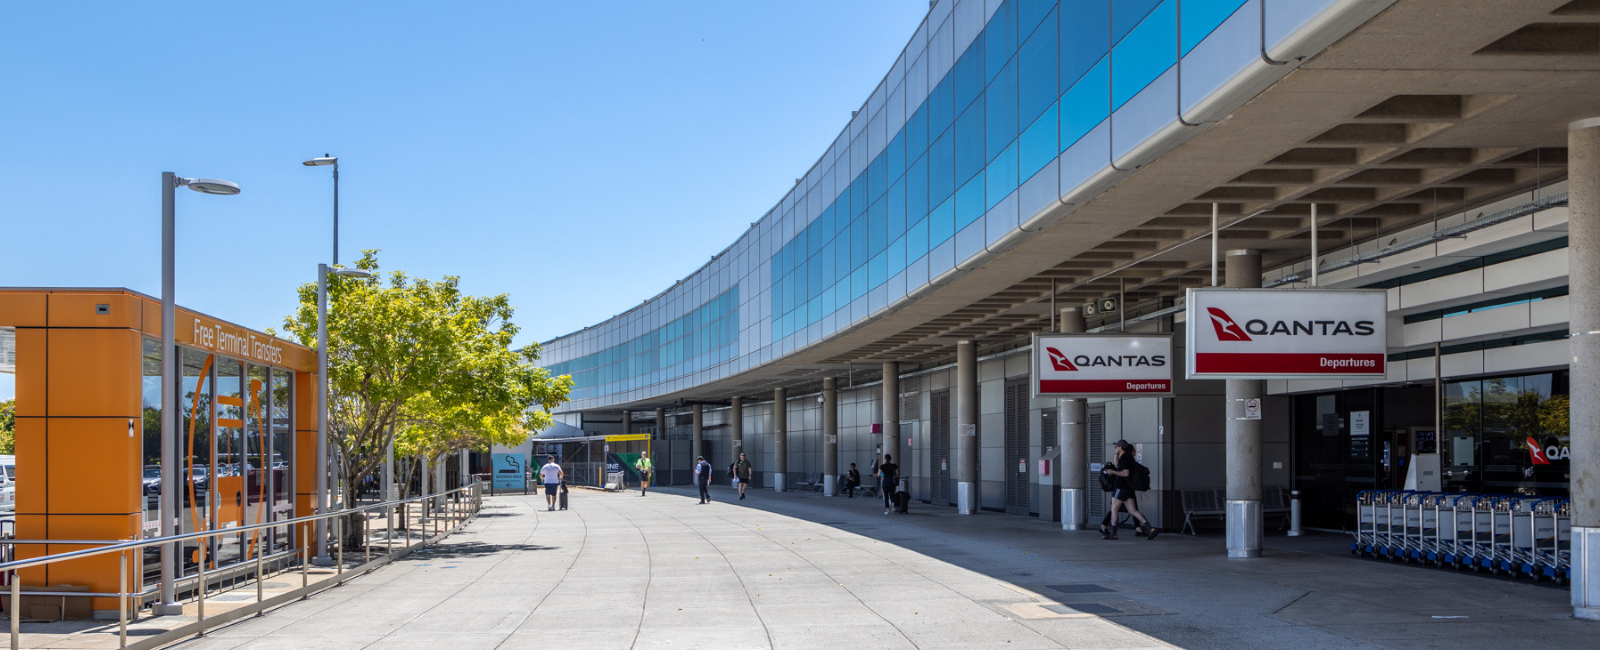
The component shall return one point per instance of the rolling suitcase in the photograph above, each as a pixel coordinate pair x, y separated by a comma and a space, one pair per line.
561, 498
902, 501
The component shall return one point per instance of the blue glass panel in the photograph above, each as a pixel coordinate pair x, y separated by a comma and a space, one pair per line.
916, 133
877, 270
1038, 79
897, 256
1145, 53
858, 196
940, 107
1030, 12
1084, 37
969, 143
1000, 38
877, 178
1126, 14
917, 240
1201, 17
830, 300
895, 156
830, 266
941, 167
858, 282
841, 258
858, 242
942, 223
897, 210
877, 227
1037, 146
1000, 112
814, 237
814, 277
1002, 176
917, 189
968, 75
1086, 104
969, 203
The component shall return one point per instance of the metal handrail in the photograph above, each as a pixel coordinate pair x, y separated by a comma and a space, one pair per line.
121, 548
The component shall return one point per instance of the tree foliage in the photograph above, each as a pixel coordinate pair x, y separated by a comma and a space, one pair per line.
8, 426
421, 364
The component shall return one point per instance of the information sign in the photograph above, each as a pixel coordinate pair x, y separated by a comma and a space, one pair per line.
1102, 365
1286, 333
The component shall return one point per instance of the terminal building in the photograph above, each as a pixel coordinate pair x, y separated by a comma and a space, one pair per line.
1033, 166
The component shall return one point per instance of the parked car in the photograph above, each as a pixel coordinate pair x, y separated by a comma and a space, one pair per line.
8, 497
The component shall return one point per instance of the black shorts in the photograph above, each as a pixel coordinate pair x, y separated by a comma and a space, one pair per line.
550, 489
1122, 494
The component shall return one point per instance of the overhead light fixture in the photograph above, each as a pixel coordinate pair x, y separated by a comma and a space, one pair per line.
318, 162
351, 273
210, 186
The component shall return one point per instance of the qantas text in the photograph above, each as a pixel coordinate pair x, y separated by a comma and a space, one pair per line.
1123, 360
1309, 327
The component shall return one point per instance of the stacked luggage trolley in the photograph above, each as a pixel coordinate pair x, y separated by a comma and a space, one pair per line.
1520, 536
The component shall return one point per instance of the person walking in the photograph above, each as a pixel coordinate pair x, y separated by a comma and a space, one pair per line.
645, 468
702, 478
888, 482
550, 475
1127, 473
852, 480
742, 471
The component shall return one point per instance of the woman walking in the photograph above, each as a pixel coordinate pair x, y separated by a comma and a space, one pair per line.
1127, 472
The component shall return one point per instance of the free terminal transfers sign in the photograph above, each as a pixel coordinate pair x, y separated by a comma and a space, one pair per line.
1286, 333
1102, 365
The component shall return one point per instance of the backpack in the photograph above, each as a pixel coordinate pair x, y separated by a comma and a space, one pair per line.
1108, 483
1141, 478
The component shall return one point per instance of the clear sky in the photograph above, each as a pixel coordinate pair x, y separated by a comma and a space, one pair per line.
579, 156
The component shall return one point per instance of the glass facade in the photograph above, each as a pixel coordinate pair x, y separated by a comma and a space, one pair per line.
993, 112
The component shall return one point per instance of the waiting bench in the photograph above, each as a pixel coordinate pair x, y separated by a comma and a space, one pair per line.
1212, 502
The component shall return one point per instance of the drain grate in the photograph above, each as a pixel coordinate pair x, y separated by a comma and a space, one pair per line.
1083, 608
1080, 589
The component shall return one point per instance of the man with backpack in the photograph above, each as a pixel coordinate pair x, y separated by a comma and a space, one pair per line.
1129, 477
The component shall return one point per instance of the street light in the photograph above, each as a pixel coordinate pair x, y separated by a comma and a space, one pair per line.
323, 271
170, 553
320, 162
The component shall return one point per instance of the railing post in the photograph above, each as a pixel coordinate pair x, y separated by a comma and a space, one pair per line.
200, 589
261, 575
305, 559
388, 530
338, 527
16, 608
366, 536
122, 599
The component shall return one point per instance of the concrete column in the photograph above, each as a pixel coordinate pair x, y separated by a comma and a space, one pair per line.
830, 436
1243, 447
462, 478
736, 427
966, 428
1072, 422
891, 411
1583, 308
661, 426
627, 422
698, 422
780, 437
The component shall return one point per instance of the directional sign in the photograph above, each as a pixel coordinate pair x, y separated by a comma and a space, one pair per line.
1286, 334
1102, 365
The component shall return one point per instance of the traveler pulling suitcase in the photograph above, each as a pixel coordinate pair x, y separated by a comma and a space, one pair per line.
561, 498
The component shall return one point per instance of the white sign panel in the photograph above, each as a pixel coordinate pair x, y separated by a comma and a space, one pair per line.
1286, 333
1102, 365
1358, 423
1252, 409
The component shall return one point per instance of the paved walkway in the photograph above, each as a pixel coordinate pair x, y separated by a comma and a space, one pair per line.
801, 571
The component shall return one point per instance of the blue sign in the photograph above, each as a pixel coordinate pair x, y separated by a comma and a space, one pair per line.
510, 472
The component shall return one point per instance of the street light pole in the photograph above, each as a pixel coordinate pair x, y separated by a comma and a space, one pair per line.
323, 271
168, 504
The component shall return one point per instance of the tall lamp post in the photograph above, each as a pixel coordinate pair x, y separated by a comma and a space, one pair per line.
170, 553
323, 271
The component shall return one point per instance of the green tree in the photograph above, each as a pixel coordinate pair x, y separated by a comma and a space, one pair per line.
420, 358
8, 426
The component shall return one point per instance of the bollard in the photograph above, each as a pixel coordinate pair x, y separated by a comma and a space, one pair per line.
305, 559
1294, 514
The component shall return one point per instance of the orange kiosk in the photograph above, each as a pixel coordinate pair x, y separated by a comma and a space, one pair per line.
88, 434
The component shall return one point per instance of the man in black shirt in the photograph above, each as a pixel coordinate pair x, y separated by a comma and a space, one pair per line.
888, 480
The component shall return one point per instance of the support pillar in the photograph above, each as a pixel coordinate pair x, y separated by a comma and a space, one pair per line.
891, 412
830, 436
736, 426
698, 419
1243, 447
780, 437
1583, 273
966, 427
627, 422
1073, 436
661, 426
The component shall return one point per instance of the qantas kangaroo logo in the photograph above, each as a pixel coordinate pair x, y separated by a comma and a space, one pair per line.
1060, 361
1227, 330
1539, 457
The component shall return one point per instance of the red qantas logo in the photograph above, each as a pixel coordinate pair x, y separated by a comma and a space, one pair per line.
1060, 361
1227, 330
1539, 457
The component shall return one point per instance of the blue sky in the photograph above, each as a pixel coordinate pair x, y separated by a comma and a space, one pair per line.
579, 156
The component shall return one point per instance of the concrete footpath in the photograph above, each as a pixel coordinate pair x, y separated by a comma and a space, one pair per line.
802, 571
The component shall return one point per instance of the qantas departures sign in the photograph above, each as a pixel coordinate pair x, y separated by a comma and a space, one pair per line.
1102, 365
1286, 334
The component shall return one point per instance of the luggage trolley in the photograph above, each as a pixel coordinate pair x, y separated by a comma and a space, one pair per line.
1434, 536
1552, 532
1480, 553
1524, 537
1394, 545
1366, 522
1501, 555
1413, 539
1454, 545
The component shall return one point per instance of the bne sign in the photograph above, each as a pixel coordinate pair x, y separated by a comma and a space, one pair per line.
1287, 334
1102, 365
